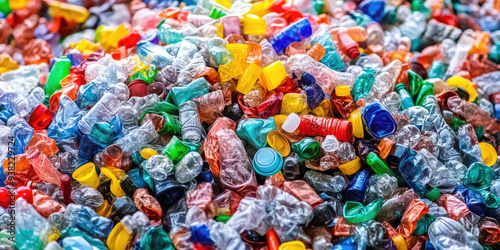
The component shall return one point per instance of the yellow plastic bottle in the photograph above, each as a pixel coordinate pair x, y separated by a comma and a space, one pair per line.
71, 12
278, 142
324, 109
260, 8
235, 68
85, 46
109, 37
294, 103
252, 73
119, 238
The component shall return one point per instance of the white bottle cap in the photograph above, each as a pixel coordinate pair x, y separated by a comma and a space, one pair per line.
291, 123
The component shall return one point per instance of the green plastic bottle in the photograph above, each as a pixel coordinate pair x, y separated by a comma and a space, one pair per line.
355, 212
363, 84
157, 238
426, 89
416, 83
478, 176
306, 149
406, 100
59, 71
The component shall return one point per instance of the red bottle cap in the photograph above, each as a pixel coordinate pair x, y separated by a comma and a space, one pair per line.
138, 88
25, 193
66, 188
40, 118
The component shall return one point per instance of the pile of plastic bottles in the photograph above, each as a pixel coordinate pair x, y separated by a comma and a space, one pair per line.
236, 124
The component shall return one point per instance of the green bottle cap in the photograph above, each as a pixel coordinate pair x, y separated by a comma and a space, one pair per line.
433, 194
223, 218
378, 165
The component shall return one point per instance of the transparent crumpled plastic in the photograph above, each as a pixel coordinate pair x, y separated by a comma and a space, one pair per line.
159, 167
446, 233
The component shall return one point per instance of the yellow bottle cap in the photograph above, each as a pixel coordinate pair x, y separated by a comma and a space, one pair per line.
119, 238
351, 167
148, 152
87, 174
116, 189
489, 153
104, 209
400, 242
293, 245
357, 124
458, 81
342, 90
253, 25
272, 75
278, 142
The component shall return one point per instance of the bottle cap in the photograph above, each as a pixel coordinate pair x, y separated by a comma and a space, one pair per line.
458, 81
342, 90
293, 245
148, 152
138, 88
433, 194
87, 174
291, 123
272, 75
351, 167
267, 162
119, 237
357, 124
489, 153
399, 87
40, 118
378, 166
253, 25
278, 142
223, 218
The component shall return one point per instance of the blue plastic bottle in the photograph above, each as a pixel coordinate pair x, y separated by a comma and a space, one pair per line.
295, 32
357, 187
314, 92
473, 199
411, 167
379, 121
373, 8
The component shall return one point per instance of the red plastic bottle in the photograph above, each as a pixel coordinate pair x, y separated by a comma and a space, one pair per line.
342, 101
313, 126
348, 46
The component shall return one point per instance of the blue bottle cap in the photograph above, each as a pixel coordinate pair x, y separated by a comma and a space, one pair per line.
267, 161
168, 192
